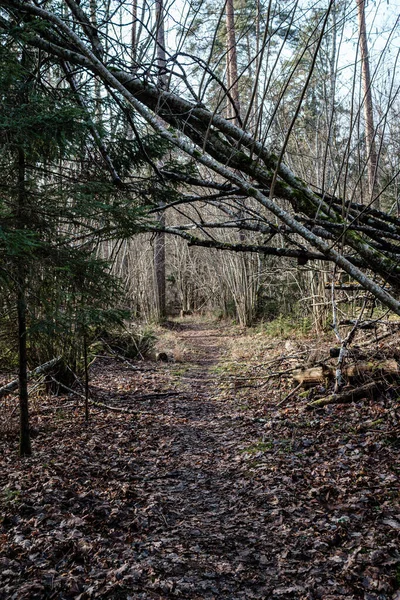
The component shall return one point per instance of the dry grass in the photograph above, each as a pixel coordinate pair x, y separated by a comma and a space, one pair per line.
169, 342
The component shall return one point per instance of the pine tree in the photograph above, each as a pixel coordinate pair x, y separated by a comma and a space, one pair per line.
52, 217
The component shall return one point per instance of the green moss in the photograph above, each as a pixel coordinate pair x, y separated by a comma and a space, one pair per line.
11, 495
305, 394
259, 446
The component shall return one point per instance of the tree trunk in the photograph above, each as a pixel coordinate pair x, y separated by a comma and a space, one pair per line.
160, 45
85, 359
134, 34
159, 242
372, 157
24, 441
357, 372
97, 83
348, 396
232, 68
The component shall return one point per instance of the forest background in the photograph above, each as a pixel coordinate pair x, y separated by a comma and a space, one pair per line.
240, 158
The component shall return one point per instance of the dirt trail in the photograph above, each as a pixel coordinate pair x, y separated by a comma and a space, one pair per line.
211, 537
201, 492
239, 511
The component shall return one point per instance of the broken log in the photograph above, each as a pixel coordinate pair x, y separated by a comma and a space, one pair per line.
314, 375
346, 396
13, 385
381, 368
322, 374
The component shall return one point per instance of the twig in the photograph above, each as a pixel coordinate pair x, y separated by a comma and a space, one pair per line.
93, 402
102, 404
290, 394
375, 339
156, 396
277, 374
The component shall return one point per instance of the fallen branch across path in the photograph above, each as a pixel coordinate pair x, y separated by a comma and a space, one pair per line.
117, 408
277, 374
13, 385
155, 396
347, 396
95, 403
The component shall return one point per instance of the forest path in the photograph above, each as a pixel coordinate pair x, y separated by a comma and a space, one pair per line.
207, 529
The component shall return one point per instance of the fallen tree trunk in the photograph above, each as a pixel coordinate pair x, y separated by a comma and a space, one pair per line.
347, 396
13, 385
322, 374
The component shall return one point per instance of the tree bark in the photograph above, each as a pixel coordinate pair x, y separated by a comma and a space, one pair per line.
372, 157
159, 241
347, 396
24, 440
134, 34
231, 64
86, 366
358, 371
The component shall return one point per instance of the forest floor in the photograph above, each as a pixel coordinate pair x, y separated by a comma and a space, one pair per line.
204, 488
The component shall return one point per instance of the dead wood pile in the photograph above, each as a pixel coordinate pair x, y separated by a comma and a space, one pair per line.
370, 368
355, 372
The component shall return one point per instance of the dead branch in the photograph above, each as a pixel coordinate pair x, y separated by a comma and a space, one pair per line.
347, 396
95, 403
289, 395
158, 396
13, 385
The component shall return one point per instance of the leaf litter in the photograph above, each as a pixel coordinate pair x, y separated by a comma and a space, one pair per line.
212, 492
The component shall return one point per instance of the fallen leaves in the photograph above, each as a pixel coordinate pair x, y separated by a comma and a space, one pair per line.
212, 492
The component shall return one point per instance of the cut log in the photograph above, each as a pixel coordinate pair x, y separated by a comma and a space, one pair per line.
313, 376
45, 368
358, 371
347, 396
